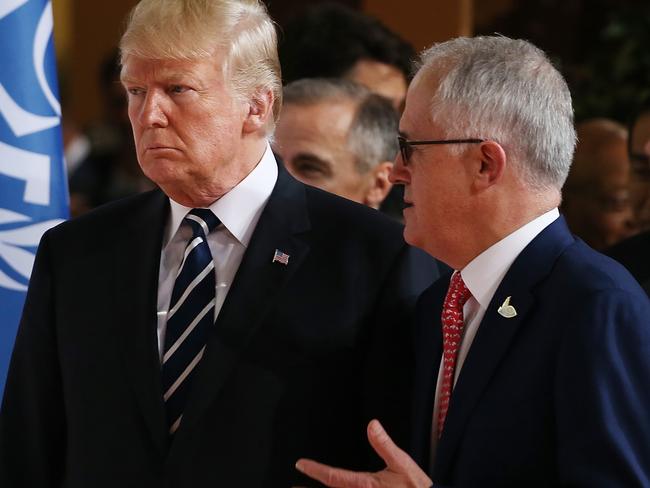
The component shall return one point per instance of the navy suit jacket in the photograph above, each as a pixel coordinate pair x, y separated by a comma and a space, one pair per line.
300, 359
558, 395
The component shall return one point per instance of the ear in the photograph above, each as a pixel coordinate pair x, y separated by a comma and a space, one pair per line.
378, 184
492, 165
260, 108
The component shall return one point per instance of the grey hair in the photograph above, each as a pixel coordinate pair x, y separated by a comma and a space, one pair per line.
372, 136
195, 29
506, 90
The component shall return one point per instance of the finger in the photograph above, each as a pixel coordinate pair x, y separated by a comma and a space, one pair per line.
334, 477
396, 459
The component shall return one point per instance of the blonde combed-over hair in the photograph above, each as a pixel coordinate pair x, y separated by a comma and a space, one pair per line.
194, 29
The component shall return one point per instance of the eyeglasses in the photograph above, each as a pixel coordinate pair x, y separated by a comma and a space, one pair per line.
406, 146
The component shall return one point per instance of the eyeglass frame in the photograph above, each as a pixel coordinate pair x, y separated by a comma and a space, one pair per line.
403, 142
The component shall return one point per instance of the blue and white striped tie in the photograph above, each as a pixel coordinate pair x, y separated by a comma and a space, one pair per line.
190, 316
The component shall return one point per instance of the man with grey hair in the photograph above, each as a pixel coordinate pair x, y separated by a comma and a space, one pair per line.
338, 136
177, 338
532, 359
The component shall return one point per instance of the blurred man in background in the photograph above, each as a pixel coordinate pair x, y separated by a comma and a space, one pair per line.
334, 41
101, 159
336, 135
634, 253
640, 161
596, 197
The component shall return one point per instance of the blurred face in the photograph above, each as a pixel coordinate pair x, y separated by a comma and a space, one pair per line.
187, 127
312, 141
382, 79
600, 212
640, 177
436, 183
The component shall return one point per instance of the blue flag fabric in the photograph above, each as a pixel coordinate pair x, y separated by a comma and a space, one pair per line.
33, 189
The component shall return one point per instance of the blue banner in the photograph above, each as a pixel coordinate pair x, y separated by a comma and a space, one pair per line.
33, 188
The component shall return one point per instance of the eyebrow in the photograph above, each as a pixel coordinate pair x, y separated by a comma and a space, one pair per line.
179, 78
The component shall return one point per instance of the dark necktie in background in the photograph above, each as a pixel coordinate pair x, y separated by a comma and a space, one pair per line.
190, 315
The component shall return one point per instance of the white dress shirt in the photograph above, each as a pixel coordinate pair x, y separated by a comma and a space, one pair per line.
482, 276
238, 210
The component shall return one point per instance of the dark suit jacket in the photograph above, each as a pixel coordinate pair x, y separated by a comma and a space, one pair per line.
301, 357
634, 254
558, 395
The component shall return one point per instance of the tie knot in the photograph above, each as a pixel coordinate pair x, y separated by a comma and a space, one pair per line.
458, 293
202, 221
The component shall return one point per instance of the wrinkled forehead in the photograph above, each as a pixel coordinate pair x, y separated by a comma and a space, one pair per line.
324, 118
136, 67
417, 115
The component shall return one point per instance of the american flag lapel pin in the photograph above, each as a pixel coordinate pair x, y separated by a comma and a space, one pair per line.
280, 257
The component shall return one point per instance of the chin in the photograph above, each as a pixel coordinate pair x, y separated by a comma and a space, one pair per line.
411, 236
162, 172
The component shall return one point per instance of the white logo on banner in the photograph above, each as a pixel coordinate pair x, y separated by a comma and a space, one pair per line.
31, 167
8, 6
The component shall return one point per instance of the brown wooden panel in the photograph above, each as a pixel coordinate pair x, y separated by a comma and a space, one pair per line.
96, 29
423, 22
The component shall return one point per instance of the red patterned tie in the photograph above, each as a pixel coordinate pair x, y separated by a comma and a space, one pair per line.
452, 334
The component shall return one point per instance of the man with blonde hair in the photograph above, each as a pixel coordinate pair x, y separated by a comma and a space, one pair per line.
532, 361
210, 332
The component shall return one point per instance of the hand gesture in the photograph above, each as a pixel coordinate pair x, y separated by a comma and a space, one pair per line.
400, 471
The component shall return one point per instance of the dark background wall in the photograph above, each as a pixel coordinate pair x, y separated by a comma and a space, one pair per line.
602, 46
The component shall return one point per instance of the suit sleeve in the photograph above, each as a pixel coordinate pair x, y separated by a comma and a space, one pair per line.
32, 425
388, 370
603, 393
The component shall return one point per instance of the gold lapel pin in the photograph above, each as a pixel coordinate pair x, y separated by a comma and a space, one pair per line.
506, 310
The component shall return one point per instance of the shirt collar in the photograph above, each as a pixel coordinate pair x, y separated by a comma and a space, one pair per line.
485, 272
240, 208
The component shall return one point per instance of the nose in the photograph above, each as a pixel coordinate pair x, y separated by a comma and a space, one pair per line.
152, 112
399, 174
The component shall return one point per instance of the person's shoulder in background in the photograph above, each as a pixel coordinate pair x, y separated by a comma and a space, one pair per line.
634, 254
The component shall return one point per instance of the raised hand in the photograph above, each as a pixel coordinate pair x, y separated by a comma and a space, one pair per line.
401, 470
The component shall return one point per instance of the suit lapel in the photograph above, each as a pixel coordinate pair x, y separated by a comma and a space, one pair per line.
137, 261
496, 333
254, 291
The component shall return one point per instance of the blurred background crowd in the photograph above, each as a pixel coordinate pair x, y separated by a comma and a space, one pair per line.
346, 67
